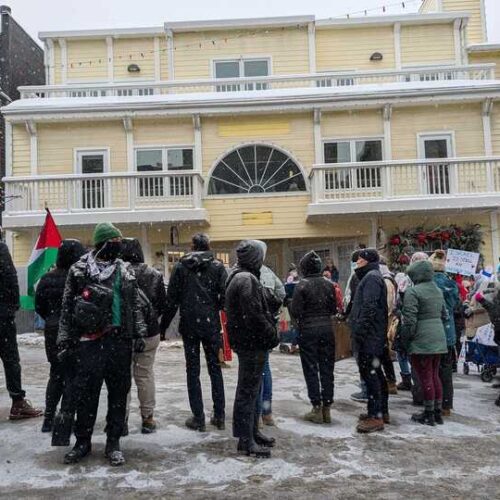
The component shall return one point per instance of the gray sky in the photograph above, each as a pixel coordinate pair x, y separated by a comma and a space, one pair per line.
48, 15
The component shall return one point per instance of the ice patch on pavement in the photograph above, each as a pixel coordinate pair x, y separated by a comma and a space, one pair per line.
31, 339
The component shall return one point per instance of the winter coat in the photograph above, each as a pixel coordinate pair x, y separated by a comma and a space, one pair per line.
491, 302
9, 287
250, 323
451, 300
368, 316
132, 321
314, 298
273, 290
196, 287
350, 291
424, 311
334, 273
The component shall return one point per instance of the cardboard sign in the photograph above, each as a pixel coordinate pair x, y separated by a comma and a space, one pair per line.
461, 262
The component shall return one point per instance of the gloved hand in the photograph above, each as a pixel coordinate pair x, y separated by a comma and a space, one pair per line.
65, 349
139, 345
479, 296
163, 336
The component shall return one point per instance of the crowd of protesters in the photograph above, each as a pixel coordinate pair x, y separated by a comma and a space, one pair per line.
106, 310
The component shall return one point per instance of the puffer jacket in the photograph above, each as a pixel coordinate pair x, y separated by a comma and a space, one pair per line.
314, 298
132, 321
9, 286
273, 289
369, 313
250, 323
451, 300
491, 302
196, 287
424, 312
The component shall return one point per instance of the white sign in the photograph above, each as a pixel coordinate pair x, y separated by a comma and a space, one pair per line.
485, 335
461, 262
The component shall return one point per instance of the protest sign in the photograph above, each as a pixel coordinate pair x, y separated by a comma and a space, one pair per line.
461, 262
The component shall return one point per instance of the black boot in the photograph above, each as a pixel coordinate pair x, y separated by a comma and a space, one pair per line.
438, 413
48, 423
113, 453
81, 449
62, 428
218, 422
405, 384
197, 424
427, 416
250, 448
263, 440
497, 402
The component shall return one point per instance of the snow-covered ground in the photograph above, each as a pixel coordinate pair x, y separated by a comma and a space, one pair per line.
458, 460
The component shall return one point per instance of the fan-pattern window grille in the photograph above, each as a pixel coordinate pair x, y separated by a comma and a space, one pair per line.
256, 169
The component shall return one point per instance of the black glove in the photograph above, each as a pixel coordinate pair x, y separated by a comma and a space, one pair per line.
139, 345
65, 350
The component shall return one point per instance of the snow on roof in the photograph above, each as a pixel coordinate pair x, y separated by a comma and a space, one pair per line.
270, 96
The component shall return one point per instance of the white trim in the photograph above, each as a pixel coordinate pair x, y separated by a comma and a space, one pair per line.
311, 45
495, 237
483, 47
457, 41
387, 118
373, 232
45, 62
9, 240
77, 153
352, 145
110, 59
241, 60
484, 25
449, 135
318, 142
32, 131
463, 43
157, 58
146, 247
198, 145
129, 134
170, 54
165, 148
486, 114
64, 60
102, 33
397, 45
52, 62
8, 149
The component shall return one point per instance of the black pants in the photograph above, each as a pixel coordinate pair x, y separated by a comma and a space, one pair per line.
9, 354
317, 355
211, 347
105, 360
370, 369
55, 384
446, 376
388, 366
245, 413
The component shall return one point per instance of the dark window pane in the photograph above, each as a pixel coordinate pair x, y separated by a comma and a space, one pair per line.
256, 68
436, 148
149, 161
180, 159
92, 164
337, 152
227, 69
368, 150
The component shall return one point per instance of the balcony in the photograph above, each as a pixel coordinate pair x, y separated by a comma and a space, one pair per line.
87, 199
401, 186
316, 80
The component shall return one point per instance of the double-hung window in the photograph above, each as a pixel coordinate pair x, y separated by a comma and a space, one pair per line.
164, 159
348, 151
241, 68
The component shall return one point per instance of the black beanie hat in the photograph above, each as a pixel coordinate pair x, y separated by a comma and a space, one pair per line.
369, 254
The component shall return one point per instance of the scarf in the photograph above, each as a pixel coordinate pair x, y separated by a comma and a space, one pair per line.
99, 270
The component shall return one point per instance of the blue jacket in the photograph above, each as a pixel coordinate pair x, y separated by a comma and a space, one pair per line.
451, 299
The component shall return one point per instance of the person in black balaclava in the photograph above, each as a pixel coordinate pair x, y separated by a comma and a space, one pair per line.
252, 333
102, 318
48, 302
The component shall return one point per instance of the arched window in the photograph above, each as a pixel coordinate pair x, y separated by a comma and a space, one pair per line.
256, 169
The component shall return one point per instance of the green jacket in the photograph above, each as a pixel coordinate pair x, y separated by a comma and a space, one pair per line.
424, 311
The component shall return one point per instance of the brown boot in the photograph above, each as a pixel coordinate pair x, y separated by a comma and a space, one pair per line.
268, 420
148, 425
315, 415
385, 417
327, 417
22, 409
369, 425
446, 412
392, 387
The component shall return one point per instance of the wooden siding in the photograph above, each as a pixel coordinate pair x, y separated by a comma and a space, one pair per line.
349, 49
427, 44
429, 6
475, 27
495, 129
287, 48
163, 132
352, 124
57, 64
21, 151
492, 57
138, 51
87, 60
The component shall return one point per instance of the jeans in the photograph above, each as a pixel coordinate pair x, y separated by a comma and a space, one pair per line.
370, 369
265, 399
426, 367
388, 366
317, 355
245, 416
9, 354
104, 360
446, 377
211, 347
404, 364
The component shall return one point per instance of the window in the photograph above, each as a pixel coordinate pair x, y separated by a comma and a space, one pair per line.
256, 169
239, 68
92, 164
353, 151
436, 176
159, 160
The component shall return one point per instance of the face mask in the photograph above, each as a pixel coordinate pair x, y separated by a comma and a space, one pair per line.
110, 251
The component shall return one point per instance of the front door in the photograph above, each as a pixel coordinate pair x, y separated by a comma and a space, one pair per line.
92, 163
437, 177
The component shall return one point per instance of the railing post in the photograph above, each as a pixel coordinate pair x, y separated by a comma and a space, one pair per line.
197, 191
490, 181
132, 185
454, 178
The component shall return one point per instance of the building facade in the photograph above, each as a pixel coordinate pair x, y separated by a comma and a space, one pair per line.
308, 134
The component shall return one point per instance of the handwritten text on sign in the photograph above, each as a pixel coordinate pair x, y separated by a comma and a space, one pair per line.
461, 262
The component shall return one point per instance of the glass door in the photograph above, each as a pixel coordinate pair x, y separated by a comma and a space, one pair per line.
92, 191
437, 177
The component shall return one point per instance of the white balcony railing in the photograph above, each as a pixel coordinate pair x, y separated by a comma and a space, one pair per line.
392, 180
105, 192
329, 79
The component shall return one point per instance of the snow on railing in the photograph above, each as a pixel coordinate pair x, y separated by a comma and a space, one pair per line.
326, 79
104, 192
405, 179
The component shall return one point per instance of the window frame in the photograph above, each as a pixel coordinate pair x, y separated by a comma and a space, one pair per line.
81, 151
241, 67
352, 141
164, 156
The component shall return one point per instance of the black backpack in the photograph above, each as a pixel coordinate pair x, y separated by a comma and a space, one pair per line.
92, 311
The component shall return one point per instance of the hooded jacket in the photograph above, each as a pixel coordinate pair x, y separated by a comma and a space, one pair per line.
491, 302
9, 286
196, 287
369, 314
314, 300
149, 280
451, 300
250, 324
423, 314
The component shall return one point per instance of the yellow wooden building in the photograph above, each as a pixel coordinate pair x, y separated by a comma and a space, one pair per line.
305, 133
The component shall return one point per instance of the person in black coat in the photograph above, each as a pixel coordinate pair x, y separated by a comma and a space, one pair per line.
196, 287
9, 353
150, 282
368, 319
313, 306
252, 333
48, 303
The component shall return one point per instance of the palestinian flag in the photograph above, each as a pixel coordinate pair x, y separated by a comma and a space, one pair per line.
42, 258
